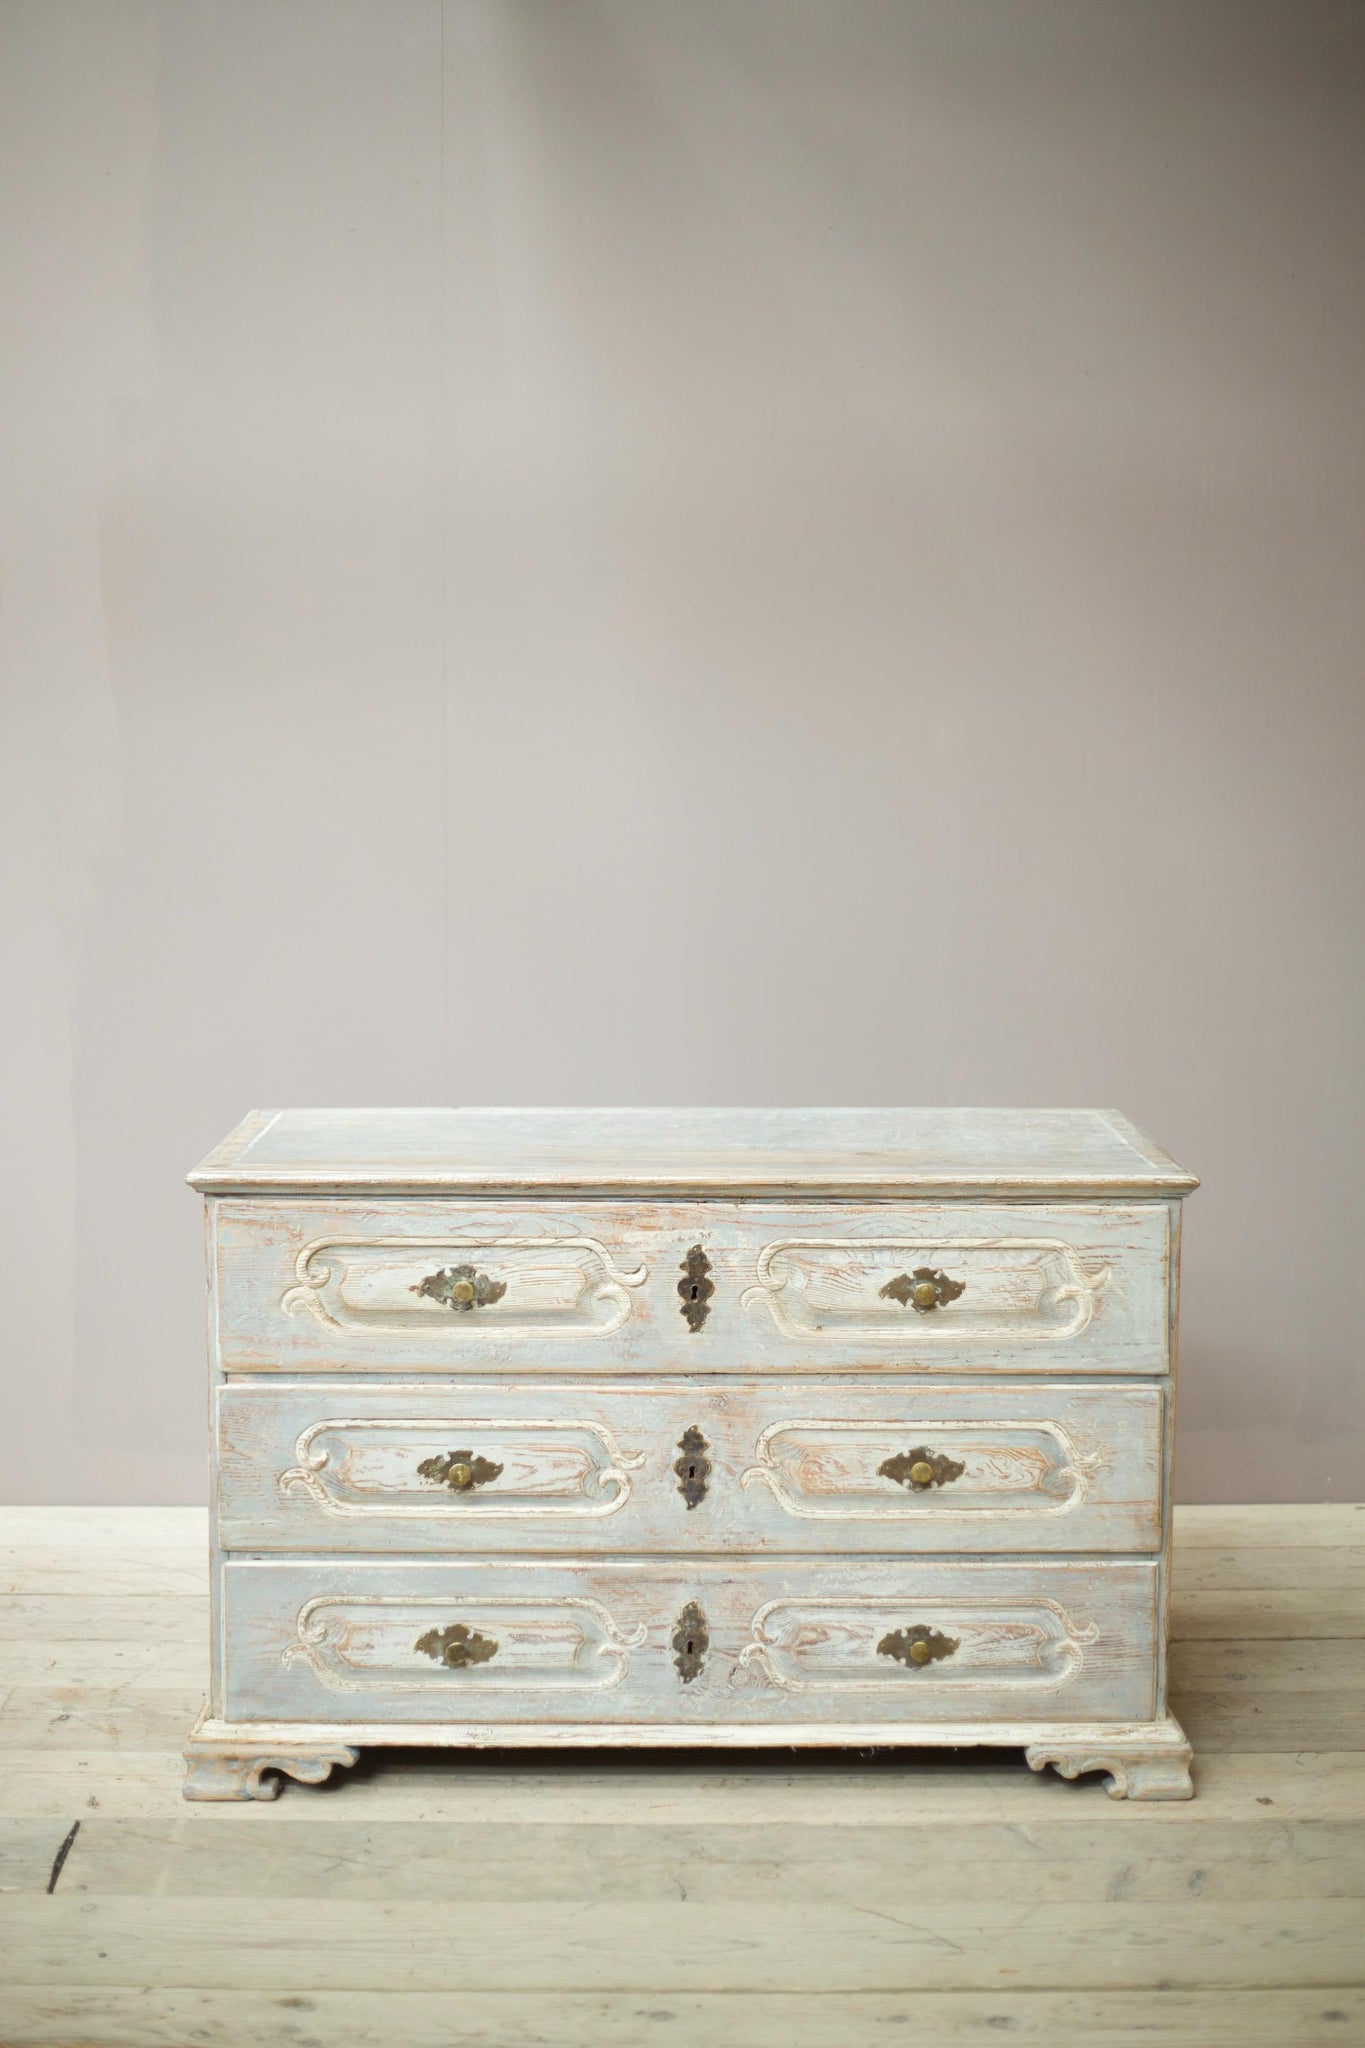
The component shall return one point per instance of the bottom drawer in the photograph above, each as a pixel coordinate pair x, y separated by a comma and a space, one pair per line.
672, 1641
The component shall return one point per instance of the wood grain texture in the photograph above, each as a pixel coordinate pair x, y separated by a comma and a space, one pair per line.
115, 2017
591, 1287
351, 1642
954, 1151
330, 1466
121, 1660
1313, 1525
725, 1899
1077, 1861
1274, 1615
131, 1766
554, 1946
85, 1539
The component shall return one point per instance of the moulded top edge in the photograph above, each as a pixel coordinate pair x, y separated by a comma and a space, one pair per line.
751, 1152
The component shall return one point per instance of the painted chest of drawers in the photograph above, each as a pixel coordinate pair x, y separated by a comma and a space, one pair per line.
690, 1427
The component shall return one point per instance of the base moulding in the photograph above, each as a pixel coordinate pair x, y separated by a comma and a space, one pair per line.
249, 1759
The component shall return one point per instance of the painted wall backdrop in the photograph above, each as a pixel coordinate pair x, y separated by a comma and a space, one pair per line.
639, 553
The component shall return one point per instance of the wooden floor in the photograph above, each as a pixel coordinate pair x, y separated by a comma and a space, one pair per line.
810, 1901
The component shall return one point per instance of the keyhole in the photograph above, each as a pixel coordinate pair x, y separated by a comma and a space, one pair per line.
691, 1471
690, 1651
696, 1291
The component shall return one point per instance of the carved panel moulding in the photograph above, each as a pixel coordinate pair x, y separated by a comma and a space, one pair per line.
829, 1288
345, 1286
330, 1470
1043, 1484
807, 1646
365, 1643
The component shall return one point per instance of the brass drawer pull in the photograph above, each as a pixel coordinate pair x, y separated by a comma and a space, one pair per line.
917, 1646
920, 1469
461, 1471
693, 1467
924, 1290
456, 1646
691, 1641
460, 1288
696, 1288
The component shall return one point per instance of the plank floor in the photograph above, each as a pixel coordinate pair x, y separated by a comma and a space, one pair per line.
716, 1901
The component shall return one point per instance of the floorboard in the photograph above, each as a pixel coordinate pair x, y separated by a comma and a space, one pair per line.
119, 2017
557, 1901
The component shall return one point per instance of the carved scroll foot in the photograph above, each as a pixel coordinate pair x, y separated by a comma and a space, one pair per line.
1155, 1766
245, 1774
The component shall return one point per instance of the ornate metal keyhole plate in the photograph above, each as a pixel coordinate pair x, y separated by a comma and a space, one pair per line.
696, 1288
691, 1641
693, 1467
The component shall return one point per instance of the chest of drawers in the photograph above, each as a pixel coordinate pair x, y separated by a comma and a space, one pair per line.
716, 1427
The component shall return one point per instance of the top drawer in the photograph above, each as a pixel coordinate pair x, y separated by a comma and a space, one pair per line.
450, 1286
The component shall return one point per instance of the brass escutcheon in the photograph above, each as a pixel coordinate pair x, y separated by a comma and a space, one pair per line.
920, 1469
924, 1290
461, 1471
918, 1645
457, 1646
460, 1288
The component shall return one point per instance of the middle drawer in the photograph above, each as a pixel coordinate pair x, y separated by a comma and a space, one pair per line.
672, 1466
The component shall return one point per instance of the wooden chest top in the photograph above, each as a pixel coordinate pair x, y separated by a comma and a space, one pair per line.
854, 1152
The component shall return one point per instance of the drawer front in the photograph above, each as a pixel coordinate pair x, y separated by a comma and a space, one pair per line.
757, 1465
668, 1642
446, 1286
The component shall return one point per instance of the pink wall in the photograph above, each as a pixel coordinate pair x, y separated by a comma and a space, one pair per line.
667, 554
